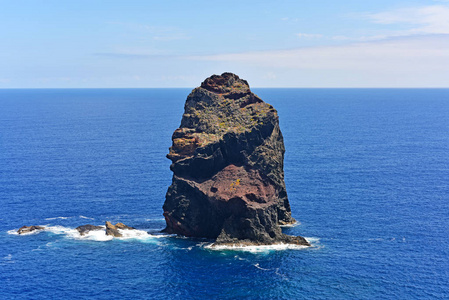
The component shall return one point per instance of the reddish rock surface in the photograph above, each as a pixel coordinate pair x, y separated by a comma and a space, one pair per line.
227, 158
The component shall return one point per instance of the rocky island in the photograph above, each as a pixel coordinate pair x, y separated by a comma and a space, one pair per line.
227, 162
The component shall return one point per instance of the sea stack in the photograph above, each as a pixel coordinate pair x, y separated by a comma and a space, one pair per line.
227, 159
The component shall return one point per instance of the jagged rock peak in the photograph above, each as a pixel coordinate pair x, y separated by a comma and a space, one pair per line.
222, 104
225, 83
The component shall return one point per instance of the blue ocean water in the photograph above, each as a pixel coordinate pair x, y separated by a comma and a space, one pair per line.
367, 173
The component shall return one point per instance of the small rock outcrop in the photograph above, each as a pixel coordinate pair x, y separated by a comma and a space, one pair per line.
112, 230
29, 229
227, 159
123, 226
84, 229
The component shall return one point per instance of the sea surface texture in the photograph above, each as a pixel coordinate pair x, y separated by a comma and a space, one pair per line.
367, 174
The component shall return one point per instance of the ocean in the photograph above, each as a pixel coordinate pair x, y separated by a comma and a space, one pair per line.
366, 170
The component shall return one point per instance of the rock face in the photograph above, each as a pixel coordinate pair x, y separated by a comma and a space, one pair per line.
112, 230
123, 226
29, 229
227, 159
84, 229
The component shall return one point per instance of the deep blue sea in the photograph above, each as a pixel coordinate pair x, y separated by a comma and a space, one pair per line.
367, 174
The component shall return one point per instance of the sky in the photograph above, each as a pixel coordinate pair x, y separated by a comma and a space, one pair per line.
170, 43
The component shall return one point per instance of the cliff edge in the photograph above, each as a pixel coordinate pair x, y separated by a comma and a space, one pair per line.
227, 159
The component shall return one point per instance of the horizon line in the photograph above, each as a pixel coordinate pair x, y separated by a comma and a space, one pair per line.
257, 87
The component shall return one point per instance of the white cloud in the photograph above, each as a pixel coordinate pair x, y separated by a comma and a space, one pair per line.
309, 35
290, 20
363, 38
412, 21
417, 51
170, 37
412, 61
433, 19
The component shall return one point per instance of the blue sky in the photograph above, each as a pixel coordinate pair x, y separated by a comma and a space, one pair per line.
322, 43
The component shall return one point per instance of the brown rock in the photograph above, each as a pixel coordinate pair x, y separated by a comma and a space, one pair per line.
123, 226
112, 230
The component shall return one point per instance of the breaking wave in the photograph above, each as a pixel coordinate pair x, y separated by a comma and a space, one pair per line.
290, 225
14, 232
56, 218
146, 237
95, 235
256, 249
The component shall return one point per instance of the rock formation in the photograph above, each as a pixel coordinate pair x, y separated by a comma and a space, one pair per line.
123, 226
29, 229
84, 229
112, 230
227, 159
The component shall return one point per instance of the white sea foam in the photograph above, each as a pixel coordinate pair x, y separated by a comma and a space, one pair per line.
7, 260
136, 234
60, 229
283, 276
263, 248
291, 225
14, 232
100, 235
256, 249
96, 235
93, 235
55, 218
259, 267
83, 217
312, 240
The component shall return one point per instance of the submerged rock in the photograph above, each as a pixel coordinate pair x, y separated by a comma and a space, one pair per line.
227, 159
29, 229
84, 229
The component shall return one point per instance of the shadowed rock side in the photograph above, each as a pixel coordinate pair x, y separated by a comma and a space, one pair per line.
227, 159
